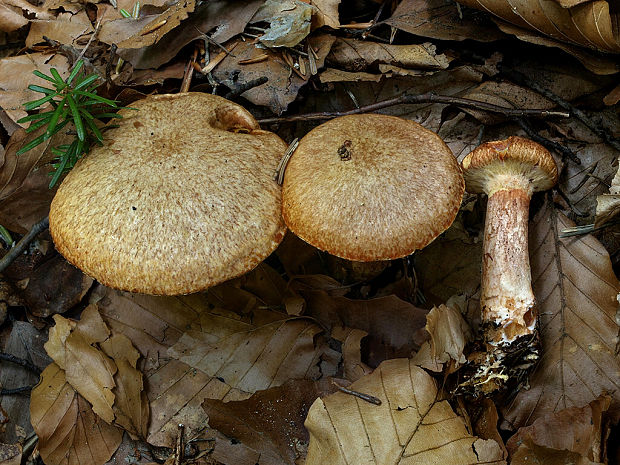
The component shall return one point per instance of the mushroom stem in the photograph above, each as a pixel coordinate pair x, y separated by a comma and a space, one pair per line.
507, 300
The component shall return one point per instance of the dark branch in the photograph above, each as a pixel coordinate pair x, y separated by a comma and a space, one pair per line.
23, 243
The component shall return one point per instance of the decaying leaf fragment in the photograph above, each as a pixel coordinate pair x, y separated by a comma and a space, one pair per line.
576, 289
68, 430
608, 205
572, 435
289, 22
411, 426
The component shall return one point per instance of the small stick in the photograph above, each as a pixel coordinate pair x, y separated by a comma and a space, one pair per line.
90, 40
21, 362
278, 175
374, 20
367, 397
12, 254
180, 446
421, 98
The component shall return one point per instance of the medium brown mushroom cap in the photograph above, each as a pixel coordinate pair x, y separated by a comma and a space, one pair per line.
515, 161
179, 198
371, 187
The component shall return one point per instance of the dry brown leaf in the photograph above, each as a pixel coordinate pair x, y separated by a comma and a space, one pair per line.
326, 14
440, 20
358, 55
257, 358
283, 84
150, 29
271, 422
597, 63
68, 430
54, 286
89, 371
584, 182
352, 366
589, 24
24, 342
67, 28
131, 406
572, 435
395, 327
289, 22
11, 18
16, 71
576, 291
411, 426
221, 19
338, 75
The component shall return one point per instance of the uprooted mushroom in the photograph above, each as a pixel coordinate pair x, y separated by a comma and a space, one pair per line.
180, 197
509, 172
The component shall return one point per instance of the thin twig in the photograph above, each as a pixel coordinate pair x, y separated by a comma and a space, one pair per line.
374, 20
360, 395
23, 243
19, 390
408, 99
563, 150
20, 361
92, 37
180, 445
522, 79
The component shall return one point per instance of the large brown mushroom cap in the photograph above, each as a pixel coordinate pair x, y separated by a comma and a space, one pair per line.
505, 164
179, 198
371, 187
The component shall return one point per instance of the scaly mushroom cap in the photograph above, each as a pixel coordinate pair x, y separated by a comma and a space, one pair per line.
507, 164
371, 187
179, 198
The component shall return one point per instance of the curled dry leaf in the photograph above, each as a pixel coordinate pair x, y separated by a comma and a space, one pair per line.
89, 370
131, 407
440, 20
352, 365
591, 24
411, 426
449, 333
66, 28
576, 291
68, 430
11, 18
608, 205
572, 435
271, 422
358, 55
138, 33
289, 22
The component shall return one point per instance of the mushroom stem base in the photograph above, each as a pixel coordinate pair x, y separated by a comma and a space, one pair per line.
498, 366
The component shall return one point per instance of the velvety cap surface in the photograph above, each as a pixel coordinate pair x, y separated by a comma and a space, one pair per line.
371, 187
179, 198
494, 163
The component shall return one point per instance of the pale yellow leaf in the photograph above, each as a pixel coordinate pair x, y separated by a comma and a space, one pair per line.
608, 205
68, 430
576, 290
411, 426
326, 14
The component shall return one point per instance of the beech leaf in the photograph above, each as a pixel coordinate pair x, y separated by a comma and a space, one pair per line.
68, 430
411, 426
576, 290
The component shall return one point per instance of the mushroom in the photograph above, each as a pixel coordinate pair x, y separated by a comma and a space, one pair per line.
371, 187
508, 171
180, 197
